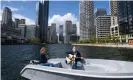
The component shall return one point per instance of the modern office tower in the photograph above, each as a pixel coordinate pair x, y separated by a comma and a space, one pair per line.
7, 17
30, 31
125, 17
74, 37
17, 22
114, 29
22, 21
113, 7
13, 24
103, 24
100, 12
61, 37
86, 22
23, 29
53, 33
49, 34
68, 30
74, 29
42, 9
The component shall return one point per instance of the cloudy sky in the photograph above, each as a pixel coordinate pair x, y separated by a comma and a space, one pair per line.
59, 11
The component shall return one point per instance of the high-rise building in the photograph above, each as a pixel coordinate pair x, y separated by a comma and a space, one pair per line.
30, 31
13, 24
54, 38
74, 37
68, 30
86, 22
103, 24
7, 17
100, 12
113, 7
61, 37
22, 21
49, 34
42, 9
74, 29
114, 29
125, 17
17, 22
23, 29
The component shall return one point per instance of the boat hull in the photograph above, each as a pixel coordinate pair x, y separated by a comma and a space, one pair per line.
44, 75
90, 72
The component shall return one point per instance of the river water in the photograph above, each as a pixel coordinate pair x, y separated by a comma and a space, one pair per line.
15, 57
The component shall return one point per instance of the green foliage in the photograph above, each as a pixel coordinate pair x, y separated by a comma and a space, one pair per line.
34, 40
92, 39
107, 39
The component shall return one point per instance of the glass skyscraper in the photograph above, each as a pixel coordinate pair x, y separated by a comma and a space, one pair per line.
7, 17
125, 17
86, 22
42, 20
100, 12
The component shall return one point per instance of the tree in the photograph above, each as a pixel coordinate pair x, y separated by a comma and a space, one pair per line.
92, 39
34, 40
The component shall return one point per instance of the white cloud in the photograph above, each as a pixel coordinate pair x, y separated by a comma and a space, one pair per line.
28, 20
19, 16
60, 20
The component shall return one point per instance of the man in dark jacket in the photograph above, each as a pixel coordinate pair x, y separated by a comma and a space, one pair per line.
76, 56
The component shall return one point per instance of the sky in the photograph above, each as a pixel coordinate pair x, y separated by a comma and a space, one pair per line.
59, 11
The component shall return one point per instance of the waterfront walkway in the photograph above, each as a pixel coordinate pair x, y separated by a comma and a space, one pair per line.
107, 45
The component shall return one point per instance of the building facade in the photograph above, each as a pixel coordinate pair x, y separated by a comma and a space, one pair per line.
74, 31
17, 22
86, 21
54, 37
68, 31
22, 21
61, 37
100, 12
8, 30
27, 31
49, 34
114, 29
74, 37
30, 31
42, 10
125, 17
103, 24
113, 7
23, 29
7, 17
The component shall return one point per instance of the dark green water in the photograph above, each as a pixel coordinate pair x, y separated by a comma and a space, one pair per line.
15, 57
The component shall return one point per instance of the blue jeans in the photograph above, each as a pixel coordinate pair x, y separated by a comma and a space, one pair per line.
47, 64
77, 64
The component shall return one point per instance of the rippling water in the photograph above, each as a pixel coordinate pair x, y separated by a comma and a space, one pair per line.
15, 57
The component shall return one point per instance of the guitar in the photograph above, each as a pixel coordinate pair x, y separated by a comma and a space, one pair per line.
70, 58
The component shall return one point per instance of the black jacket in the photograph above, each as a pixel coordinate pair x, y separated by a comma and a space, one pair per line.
43, 58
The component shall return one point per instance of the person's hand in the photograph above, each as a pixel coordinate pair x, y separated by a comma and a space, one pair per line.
70, 56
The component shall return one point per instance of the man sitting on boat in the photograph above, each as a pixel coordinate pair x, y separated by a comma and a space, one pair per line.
75, 56
43, 58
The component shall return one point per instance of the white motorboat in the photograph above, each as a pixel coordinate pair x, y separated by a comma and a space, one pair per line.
93, 69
